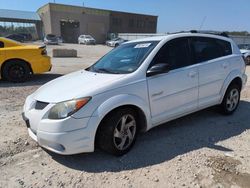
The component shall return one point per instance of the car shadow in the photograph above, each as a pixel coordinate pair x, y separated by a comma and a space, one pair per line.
37, 79
203, 129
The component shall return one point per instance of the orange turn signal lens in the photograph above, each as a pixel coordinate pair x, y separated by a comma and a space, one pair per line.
81, 102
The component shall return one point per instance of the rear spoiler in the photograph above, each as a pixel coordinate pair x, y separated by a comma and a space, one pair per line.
42, 47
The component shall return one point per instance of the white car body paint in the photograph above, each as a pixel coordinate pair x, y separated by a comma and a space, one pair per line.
86, 39
161, 98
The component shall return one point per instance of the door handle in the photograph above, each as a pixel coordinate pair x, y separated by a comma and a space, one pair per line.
156, 94
192, 74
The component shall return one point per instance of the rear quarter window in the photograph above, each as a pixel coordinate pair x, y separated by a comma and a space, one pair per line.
1, 44
206, 49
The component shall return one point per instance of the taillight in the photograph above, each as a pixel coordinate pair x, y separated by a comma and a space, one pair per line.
44, 52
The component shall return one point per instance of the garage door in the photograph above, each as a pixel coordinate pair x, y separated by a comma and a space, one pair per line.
70, 31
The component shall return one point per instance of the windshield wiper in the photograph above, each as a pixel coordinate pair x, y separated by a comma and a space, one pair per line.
103, 70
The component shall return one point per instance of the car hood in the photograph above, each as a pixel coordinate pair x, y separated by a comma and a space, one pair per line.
75, 85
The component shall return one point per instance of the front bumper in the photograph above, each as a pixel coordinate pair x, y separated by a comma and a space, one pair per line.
48, 135
51, 42
110, 44
90, 42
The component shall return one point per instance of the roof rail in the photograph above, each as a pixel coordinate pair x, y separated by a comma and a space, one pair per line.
224, 34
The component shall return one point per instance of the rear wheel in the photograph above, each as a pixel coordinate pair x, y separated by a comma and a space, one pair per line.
248, 60
231, 99
118, 132
16, 71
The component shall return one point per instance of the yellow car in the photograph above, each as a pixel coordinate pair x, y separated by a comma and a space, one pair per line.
19, 61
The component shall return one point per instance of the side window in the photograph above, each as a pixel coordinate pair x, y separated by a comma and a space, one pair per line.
176, 53
1, 44
226, 47
206, 49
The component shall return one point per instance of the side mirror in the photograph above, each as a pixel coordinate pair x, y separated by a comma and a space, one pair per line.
158, 69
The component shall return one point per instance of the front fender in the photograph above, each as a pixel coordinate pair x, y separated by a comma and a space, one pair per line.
232, 75
122, 100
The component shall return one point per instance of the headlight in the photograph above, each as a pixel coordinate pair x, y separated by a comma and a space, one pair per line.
67, 108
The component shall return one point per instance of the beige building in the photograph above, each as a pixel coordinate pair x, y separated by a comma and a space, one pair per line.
71, 21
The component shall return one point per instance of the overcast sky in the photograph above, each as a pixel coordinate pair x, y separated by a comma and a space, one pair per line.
174, 15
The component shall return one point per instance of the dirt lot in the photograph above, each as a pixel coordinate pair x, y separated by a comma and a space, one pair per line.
204, 149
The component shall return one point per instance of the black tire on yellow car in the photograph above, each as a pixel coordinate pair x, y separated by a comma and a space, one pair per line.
16, 71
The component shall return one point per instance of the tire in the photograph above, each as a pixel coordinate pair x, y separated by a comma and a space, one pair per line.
248, 60
231, 100
116, 45
16, 71
114, 139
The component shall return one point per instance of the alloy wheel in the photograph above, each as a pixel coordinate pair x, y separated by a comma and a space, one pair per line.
232, 100
124, 133
16, 72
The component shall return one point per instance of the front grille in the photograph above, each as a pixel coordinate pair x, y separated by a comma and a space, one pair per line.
40, 105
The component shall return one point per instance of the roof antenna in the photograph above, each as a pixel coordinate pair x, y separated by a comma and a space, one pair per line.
202, 23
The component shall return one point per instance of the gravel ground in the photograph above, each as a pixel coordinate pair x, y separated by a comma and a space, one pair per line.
204, 149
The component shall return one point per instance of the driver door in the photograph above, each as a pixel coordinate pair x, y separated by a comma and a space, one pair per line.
174, 93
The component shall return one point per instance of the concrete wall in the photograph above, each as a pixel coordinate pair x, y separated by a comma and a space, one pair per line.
121, 22
241, 39
96, 22
45, 16
133, 36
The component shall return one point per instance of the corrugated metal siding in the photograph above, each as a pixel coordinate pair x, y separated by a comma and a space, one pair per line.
17, 14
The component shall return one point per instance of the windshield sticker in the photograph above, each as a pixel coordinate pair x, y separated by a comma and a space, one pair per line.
143, 45
125, 60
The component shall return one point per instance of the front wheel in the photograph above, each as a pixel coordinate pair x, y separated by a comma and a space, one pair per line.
118, 132
231, 99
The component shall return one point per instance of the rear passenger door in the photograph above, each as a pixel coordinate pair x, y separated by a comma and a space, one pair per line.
212, 56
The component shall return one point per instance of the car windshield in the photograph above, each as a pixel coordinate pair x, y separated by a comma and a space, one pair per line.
124, 59
51, 36
88, 37
116, 39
